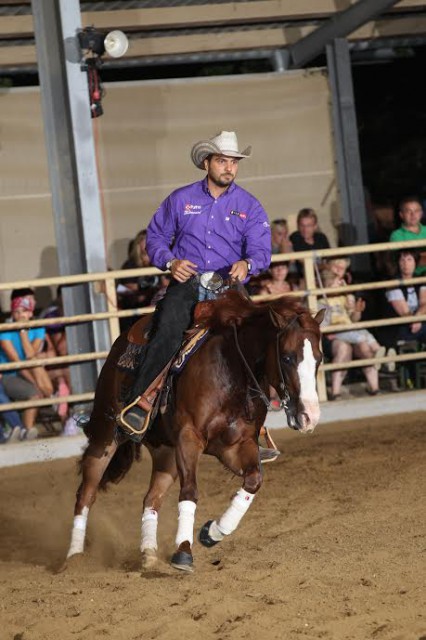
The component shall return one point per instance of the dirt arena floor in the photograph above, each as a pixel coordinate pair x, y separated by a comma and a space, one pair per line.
333, 547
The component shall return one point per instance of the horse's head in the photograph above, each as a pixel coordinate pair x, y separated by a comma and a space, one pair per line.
294, 355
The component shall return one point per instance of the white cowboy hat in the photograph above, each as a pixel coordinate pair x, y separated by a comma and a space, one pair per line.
224, 143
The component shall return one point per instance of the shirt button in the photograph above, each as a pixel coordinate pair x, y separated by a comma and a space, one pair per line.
208, 261
209, 247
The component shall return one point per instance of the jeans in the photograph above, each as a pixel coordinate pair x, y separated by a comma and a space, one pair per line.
172, 317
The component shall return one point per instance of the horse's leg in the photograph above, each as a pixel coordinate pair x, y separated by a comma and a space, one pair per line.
188, 452
244, 460
163, 475
96, 458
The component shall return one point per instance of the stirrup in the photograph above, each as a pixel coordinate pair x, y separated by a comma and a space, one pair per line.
268, 439
271, 453
123, 422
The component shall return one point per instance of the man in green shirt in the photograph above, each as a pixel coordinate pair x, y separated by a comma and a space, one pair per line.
411, 212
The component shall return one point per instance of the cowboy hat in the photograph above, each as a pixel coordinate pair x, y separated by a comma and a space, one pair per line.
224, 143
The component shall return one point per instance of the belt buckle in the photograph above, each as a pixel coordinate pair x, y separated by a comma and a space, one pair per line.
211, 280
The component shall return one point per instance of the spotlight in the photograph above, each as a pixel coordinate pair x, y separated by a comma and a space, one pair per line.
115, 43
93, 45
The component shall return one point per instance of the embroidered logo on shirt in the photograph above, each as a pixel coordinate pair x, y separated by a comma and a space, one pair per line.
192, 209
240, 214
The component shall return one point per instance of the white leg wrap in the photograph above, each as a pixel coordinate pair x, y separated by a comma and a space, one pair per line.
149, 529
78, 533
186, 522
232, 516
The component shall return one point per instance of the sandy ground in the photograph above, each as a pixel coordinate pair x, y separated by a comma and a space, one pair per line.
333, 547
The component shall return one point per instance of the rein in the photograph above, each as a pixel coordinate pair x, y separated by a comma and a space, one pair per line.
284, 402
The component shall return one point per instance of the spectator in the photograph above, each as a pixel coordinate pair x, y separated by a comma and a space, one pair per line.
339, 266
410, 213
20, 346
280, 242
276, 282
12, 418
345, 309
307, 237
136, 291
56, 345
336, 351
408, 300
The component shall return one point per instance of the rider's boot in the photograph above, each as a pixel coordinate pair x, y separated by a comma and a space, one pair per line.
132, 420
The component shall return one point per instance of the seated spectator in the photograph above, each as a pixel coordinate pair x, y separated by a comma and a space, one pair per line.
336, 351
307, 237
20, 346
410, 212
275, 282
165, 279
345, 309
56, 345
339, 266
12, 418
136, 292
408, 300
280, 242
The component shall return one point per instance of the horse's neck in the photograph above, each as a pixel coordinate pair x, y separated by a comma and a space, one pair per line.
252, 340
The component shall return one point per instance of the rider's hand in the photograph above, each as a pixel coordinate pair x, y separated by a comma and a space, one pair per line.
239, 270
182, 270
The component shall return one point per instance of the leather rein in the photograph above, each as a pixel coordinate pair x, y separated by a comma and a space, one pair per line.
283, 401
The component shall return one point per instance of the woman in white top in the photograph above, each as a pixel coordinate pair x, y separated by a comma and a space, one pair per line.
409, 300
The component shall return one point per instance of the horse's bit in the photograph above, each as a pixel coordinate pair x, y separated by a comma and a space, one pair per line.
284, 401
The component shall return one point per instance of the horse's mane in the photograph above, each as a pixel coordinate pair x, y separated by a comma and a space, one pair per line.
232, 307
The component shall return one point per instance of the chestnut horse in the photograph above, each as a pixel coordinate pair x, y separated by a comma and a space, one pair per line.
217, 405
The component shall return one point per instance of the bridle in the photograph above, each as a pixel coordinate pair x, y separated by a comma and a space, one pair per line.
284, 402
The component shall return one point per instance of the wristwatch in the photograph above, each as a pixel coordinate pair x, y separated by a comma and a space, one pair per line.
248, 264
169, 263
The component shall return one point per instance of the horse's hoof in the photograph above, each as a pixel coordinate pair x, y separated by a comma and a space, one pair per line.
149, 558
182, 560
204, 537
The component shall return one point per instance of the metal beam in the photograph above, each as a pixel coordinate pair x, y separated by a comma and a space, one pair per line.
338, 26
353, 227
247, 40
73, 174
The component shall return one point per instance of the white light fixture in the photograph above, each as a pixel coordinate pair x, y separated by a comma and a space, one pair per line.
116, 44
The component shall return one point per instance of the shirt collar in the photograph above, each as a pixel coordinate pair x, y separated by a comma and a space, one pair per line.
205, 187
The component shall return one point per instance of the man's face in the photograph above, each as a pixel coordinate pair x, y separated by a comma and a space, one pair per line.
221, 170
411, 214
307, 228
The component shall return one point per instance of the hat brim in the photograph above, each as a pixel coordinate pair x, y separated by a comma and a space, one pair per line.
201, 150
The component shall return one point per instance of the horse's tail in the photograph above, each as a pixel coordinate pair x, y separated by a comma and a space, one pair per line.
120, 463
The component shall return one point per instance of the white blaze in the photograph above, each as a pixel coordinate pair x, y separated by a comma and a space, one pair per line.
308, 392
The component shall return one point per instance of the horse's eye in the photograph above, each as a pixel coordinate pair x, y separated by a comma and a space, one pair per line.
286, 359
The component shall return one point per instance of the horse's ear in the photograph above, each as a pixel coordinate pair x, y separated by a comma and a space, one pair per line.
277, 320
320, 316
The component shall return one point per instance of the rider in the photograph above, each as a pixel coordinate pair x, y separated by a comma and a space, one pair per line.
210, 225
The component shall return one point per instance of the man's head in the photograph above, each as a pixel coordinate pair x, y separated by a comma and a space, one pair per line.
224, 144
307, 223
410, 211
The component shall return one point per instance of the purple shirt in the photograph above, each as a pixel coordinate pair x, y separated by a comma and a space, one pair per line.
213, 234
